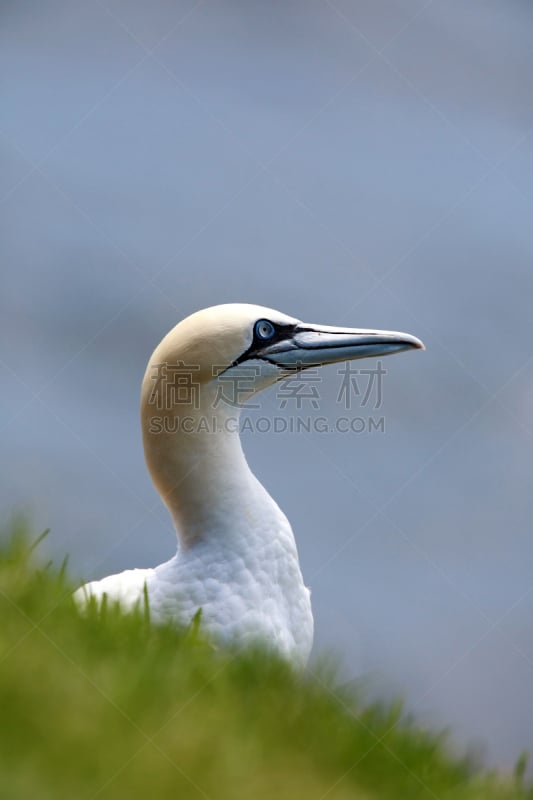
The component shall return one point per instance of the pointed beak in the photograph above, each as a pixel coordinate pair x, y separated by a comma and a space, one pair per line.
316, 345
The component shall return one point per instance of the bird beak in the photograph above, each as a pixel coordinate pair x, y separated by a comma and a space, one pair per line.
316, 345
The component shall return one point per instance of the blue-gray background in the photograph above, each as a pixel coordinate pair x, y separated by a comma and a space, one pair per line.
358, 163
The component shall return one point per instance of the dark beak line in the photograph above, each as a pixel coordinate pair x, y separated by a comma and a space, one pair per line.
366, 338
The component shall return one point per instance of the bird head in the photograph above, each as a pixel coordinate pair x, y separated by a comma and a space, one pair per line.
239, 349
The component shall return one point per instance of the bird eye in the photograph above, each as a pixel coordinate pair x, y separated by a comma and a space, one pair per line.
264, 329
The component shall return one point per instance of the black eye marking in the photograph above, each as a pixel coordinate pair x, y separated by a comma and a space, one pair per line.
264, 330
265, 333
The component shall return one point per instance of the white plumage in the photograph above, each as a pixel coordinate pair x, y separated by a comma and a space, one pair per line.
237, 559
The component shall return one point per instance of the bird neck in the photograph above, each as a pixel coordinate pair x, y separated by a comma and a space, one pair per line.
198, 466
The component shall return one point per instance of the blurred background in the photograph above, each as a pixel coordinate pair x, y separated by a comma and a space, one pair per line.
352, 162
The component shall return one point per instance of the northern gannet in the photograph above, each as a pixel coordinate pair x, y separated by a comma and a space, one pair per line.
236, 559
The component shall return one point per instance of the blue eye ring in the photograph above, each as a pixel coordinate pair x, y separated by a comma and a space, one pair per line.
264, 330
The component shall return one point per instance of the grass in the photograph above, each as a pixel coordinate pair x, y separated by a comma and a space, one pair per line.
104, 705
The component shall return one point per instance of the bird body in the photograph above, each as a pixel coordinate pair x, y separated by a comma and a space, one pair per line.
243, 573
237, 559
